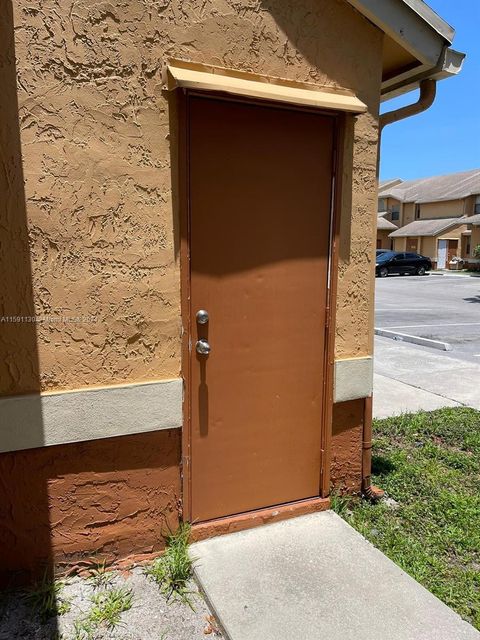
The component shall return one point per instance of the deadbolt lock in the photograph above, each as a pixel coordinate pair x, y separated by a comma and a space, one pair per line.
202, 316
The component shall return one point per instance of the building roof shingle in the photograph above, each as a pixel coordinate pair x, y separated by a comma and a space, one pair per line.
385, 225
450, 187
428, 227
475, 220
388, 184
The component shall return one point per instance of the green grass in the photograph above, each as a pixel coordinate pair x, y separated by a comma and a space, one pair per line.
46, 600
173, 570
429, 463
109, 605
105, 613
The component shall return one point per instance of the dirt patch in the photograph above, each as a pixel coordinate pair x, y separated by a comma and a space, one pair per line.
150, 617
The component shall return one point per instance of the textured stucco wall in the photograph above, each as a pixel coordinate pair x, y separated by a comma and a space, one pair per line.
97, 210
107, 498
89, 229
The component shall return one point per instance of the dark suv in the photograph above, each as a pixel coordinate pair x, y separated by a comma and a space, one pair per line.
403, 263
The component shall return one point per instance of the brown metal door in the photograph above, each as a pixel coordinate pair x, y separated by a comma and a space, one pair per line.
452, 250
259, 194
412, 245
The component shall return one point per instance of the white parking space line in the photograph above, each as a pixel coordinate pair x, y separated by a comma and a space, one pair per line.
397, 309
447, 324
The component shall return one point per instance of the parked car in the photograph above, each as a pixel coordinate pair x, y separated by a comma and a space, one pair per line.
402, 263
380, 251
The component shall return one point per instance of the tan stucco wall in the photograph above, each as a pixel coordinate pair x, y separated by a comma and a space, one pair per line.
470, 205
475, 237
428, 247
407, 213
96, 210
385, 241
446, 209
399, 244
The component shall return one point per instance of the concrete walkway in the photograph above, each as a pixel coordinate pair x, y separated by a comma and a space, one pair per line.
316, 578
409, 378
392, 398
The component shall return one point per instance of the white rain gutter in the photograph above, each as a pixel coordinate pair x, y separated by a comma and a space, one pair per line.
428, 91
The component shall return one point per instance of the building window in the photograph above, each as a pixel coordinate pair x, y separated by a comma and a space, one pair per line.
381, 204
417, 211
395, 212
477, 205
468, 247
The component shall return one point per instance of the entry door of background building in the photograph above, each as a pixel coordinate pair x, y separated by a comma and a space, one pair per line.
412, 245
442, 254
260, 191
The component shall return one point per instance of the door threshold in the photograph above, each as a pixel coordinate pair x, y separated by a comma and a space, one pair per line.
251, 519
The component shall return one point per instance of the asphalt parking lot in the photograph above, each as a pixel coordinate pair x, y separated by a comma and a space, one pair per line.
445, 308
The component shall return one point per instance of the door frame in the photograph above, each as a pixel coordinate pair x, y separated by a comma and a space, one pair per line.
180, 108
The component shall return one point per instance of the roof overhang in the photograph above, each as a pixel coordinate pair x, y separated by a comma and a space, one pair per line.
385, 225
416, 45
475, 220
415, 229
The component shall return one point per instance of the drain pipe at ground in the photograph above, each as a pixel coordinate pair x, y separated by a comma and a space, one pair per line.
428, 90
369, 491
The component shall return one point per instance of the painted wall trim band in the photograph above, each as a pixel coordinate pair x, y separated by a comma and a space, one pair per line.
353, 379
40, 420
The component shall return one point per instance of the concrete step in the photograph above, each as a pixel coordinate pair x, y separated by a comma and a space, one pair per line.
314, 578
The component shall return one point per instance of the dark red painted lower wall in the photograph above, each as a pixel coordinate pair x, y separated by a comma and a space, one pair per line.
347, 439
116, 498
109, 498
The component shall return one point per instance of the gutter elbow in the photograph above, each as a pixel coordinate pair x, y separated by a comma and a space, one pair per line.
428, 91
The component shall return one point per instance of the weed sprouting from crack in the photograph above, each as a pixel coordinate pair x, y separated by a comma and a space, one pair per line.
172, 570
105, 613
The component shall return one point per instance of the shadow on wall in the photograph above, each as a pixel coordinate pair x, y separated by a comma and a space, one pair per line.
61, 504
109, 499
330, 57
348, 52
19, 367
341, 52
218, 176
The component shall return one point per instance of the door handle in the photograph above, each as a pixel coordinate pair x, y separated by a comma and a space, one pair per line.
202, 347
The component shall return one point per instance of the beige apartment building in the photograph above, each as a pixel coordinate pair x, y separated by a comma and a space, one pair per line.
436, 217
